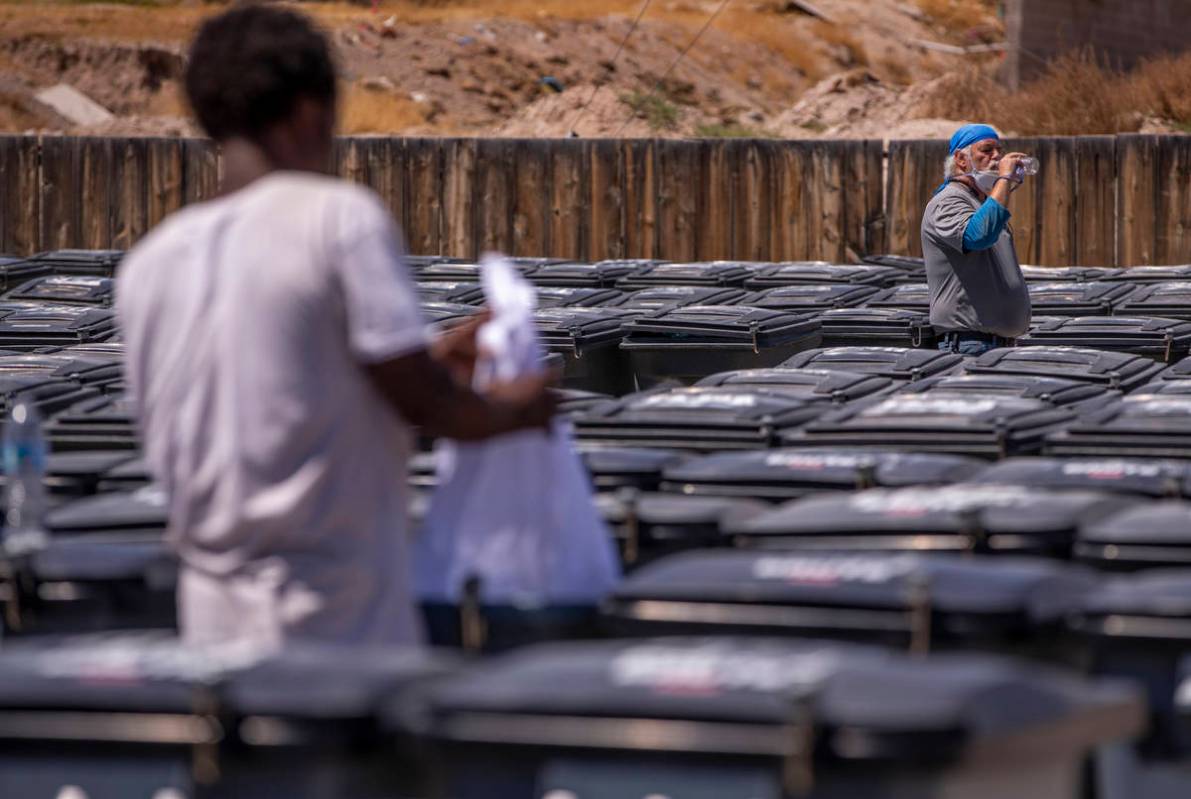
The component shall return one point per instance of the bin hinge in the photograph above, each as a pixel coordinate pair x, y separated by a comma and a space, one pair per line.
920, 614
473, 628
798, 766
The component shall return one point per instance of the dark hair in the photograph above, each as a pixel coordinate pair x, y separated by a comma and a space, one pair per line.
249, 66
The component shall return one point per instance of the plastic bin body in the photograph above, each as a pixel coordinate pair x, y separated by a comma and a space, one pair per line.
972, 517
687, 344
1138, 425
1136, 628
119, 717
779, 475
733, 718
987, 426
896, 363
650, 526
588, 341
907, 601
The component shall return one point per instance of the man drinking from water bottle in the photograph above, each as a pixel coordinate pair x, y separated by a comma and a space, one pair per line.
978, 297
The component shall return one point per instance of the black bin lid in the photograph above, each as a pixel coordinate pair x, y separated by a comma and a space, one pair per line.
453, 272
790, 473
1171, 300
1055, 390
79, 472
720, 324
976, 596
575, 296
567, 328
1067, 274
826, 384
820, 273
1145, 536
703, 418
456, 291
80, 262
618, 467
962, 517
141, 510
1114, 369
585, 695
418, 261
1152, 274
897, 363
1149, 477
103, 422
1153, 605
49, 394
1140, 425
661, 298
1094, 298
1167, 386
914, 296
55, 324
154, 673
1180, 370
71, 289
1155, 337
104, 558
711, 273
447, 313
133, 473
810, 297
674, 520
100, 350
990, 426
599, 275
910, 263
574, 400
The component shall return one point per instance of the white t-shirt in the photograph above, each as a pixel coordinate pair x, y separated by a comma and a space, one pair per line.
247, 321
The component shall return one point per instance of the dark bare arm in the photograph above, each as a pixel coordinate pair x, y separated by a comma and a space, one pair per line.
430, 389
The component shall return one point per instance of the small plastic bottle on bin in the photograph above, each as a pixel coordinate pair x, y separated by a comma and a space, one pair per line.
24, 469
1026, 166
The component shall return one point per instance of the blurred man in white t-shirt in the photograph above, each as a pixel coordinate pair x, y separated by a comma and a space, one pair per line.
278, 358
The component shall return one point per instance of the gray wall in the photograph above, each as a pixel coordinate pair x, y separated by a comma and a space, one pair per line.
1124, 31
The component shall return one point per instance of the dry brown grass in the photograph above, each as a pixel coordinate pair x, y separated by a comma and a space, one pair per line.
840, 36
775, 33
959, 16
368, 111
1163, 87
1077, 95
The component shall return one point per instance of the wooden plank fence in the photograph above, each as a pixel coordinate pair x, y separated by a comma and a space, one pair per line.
593, 199
1099, 200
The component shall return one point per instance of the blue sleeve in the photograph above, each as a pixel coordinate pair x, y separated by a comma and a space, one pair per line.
985, 226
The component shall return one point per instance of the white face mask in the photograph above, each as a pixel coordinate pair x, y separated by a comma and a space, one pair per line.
985, 180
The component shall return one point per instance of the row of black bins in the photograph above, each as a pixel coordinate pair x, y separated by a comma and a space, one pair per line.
885, 270
1102, 298
689, 717
1006, 402
613, 350
108, 565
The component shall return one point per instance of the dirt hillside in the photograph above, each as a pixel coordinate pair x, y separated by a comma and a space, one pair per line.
840, 68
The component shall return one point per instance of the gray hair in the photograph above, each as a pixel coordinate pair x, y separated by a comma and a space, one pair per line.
949, 164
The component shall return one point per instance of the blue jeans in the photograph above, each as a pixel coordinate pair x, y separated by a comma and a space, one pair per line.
970, 347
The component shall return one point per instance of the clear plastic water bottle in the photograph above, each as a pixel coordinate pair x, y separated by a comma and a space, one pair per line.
24, 469
1026, 166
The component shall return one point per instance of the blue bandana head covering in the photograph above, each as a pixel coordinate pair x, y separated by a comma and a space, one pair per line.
970, 134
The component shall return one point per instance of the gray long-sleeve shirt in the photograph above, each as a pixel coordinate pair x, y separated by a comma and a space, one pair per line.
981, 290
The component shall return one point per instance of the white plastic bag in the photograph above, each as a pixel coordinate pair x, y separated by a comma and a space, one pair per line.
515, 511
